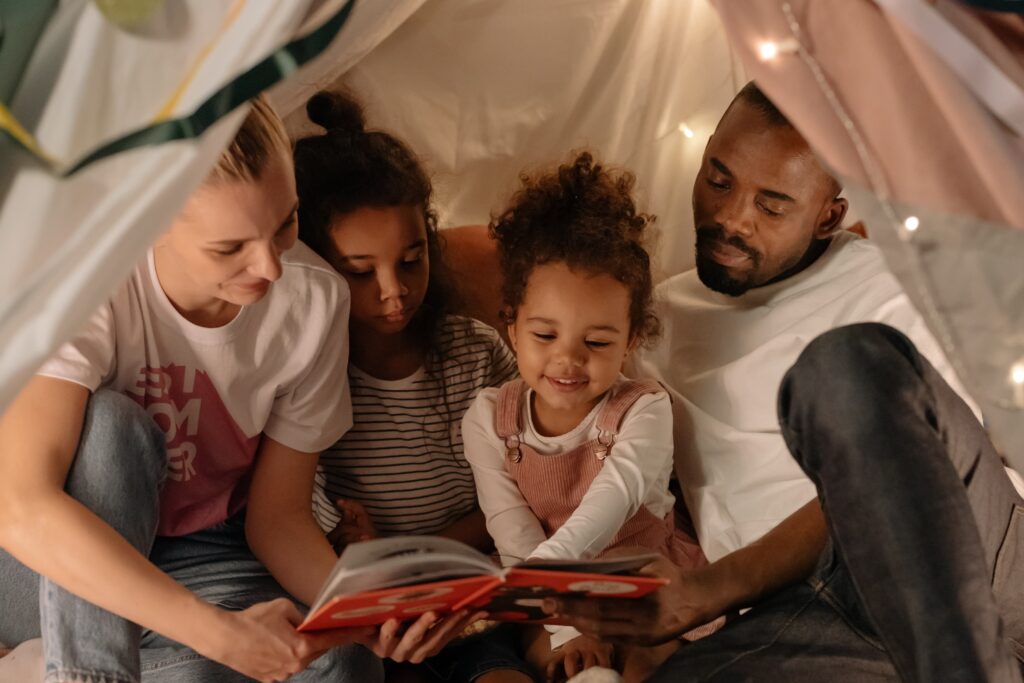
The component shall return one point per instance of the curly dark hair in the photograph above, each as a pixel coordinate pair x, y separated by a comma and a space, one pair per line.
349, 167
583, 215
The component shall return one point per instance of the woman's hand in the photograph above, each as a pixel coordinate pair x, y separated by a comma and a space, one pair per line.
578, 654
355, 525
261, 642
422, 638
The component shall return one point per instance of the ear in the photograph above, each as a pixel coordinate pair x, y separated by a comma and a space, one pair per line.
831, 220
634, 342
511, 330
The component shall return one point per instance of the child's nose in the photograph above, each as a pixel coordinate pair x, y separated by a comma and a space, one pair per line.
390, 286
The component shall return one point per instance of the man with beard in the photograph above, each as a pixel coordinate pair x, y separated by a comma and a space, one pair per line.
914, 571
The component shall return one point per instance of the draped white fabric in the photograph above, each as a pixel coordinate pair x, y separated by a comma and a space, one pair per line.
65, 243
484, 89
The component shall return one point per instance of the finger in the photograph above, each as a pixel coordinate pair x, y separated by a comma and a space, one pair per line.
572, 660
289, 611
325, 640
660, 567
552, 669
589, 658
413, 636
604, 656
387, 638
443, 633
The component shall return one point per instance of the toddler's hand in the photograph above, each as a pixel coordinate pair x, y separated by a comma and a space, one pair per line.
578, 654
355, 525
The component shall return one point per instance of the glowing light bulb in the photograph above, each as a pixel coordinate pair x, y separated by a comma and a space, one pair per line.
685, 130
911, 223
768, 50
1017, 374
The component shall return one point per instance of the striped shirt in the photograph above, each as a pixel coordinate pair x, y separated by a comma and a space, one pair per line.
403, 458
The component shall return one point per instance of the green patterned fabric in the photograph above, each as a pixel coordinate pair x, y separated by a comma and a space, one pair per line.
275, 67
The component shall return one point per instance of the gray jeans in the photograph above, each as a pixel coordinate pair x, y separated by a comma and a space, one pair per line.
117, 472
923, 577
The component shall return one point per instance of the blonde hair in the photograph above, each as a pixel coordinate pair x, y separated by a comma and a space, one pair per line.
262, 133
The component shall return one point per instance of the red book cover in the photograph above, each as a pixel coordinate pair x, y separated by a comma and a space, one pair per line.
404, 577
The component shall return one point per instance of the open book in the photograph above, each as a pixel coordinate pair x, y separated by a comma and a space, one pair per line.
405, 576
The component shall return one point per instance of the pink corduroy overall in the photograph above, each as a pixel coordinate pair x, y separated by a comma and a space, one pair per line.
554, 485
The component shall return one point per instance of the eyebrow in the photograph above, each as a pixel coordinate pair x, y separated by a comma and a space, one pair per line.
774, 194
287, 220
592, 328
418, 244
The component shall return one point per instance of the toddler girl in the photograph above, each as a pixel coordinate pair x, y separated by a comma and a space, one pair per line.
573, 460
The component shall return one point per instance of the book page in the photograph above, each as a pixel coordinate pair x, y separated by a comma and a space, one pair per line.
402, 560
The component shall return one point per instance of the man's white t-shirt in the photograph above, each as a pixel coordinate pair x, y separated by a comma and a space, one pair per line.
279, 368
723, 358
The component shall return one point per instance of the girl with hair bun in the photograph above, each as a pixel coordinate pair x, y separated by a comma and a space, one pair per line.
573, 460
365, 207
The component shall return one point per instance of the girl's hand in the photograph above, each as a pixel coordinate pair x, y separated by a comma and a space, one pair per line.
355, 525
578, 654
423, 638
261, 642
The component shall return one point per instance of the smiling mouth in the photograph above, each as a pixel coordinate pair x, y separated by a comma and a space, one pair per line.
568, 384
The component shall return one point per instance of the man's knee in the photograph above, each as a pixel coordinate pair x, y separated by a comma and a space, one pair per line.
846, 385
850, 354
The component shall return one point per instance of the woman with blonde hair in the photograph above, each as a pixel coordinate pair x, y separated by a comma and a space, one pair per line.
162, 461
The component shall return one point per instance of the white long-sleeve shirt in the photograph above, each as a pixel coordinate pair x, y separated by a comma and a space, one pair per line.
636, 473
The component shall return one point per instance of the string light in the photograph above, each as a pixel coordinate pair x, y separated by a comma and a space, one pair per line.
1017, 374
767, 50
911, 223
685, 130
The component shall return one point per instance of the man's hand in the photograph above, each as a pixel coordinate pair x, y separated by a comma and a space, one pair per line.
423, 638
355, 525
261, 642
687, 601
578, 654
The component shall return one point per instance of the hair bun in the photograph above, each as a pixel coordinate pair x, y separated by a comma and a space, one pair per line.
336, 111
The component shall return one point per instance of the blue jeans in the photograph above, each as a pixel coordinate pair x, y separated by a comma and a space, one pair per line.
923, 576
117, 473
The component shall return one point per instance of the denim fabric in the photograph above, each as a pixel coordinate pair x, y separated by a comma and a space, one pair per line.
117, 472
921, 580
469, 659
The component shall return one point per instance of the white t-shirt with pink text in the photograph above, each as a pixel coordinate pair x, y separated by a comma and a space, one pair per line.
279, 368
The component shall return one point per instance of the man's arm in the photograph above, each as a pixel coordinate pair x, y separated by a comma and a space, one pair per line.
786, 554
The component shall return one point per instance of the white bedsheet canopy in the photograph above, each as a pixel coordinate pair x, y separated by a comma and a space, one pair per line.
485, 88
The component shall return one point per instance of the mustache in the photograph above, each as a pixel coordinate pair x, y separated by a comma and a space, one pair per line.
715, 234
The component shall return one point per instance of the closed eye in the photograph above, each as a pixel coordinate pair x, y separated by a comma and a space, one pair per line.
598, 344
768, 211
717, 185
543, 337
359, 274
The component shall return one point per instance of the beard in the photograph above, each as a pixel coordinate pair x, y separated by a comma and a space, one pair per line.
714, 275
